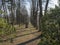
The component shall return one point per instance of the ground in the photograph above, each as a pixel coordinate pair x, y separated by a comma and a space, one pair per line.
25, 36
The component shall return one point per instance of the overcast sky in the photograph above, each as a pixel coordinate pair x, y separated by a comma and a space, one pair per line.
51, 4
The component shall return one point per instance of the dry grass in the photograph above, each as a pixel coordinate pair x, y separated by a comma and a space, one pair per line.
24, 34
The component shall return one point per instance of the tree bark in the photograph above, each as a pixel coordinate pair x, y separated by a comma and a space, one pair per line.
47, 2
40, 15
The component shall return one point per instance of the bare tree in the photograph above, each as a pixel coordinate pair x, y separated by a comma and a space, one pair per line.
34, 11
47, 2
40, 15
18, 19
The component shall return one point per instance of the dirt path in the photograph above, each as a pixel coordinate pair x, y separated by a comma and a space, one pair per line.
25, 36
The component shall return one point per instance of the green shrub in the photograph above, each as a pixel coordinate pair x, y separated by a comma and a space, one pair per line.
50, 26
6, 29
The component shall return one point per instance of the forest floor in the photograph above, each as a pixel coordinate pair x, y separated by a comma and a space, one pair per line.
25, 36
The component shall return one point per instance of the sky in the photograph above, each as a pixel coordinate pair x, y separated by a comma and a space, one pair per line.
28, 6
53, 2
51, 5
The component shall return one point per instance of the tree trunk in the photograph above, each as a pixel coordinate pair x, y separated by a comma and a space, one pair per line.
40, 15
3, 5
37, 16
46, 7
12, 14
27, 21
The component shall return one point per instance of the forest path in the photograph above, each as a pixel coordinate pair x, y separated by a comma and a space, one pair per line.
25, 36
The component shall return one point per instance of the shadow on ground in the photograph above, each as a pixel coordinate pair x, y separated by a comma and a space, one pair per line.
26, 34
24, 43
19, 36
